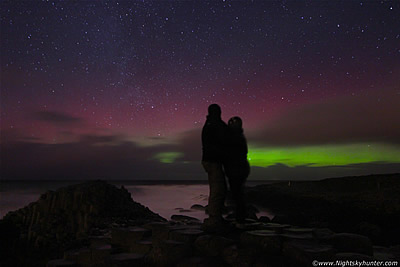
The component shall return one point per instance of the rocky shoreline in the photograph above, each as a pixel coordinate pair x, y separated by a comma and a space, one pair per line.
66, 218
366, 205
185, 244
98, 224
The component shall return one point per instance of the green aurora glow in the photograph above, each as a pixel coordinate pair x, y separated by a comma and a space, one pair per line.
324, 155
168, 157
316, 156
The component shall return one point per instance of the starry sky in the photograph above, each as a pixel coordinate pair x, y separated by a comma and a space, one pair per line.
120, 89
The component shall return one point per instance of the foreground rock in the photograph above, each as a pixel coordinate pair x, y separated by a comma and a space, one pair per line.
345, 242
97, 224
177, 243
68, 218
365, 205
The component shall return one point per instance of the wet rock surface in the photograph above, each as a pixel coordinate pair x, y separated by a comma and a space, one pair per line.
197, 207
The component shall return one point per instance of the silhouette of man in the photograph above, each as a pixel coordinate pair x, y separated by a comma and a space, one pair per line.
213, 140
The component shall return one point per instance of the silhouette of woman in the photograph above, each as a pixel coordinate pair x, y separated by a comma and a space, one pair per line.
236, 165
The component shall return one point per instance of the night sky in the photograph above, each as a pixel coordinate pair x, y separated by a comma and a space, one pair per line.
120, 89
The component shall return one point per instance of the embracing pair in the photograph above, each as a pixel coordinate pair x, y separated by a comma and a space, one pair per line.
224, 153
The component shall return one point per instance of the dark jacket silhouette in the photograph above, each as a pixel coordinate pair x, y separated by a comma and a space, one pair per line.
236, 165
214, 139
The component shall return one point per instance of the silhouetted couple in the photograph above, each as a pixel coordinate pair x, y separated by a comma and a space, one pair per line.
224, 153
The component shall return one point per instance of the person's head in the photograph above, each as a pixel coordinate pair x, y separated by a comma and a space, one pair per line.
214, 110
235, 123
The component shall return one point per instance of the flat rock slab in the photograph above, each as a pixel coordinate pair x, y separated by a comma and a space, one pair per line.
61, 262
278, 228
156, 225
173, 244
99, 241
100, 254
245, 257
169, 252
186, 235
125, 259
346, 242
126, 236
264, 219
295, 230
198, 207
322, 233
184, 210
184, 218
256, 236
385, 254
178, 227
142, 247
297, 236
158, 229
201, 262
302, 253
250, 226
193, 226
266, 240
164, 233
81, 256
212, 245
353, 257
161, 232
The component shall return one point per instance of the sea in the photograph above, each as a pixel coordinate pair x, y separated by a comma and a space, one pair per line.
163, 197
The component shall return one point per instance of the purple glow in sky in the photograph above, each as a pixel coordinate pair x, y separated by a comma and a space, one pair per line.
120, 89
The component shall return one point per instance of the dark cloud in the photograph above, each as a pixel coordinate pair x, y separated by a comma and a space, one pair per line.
373, 118
99, 139
56, 117
127, 161
14, 135
66, 133
10, 135
92, 157
189, 143
156, 138
81, 160
111, 157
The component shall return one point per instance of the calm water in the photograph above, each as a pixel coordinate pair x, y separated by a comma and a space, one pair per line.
164, 198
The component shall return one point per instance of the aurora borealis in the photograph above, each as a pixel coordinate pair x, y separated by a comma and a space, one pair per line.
120, 89
324, 155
